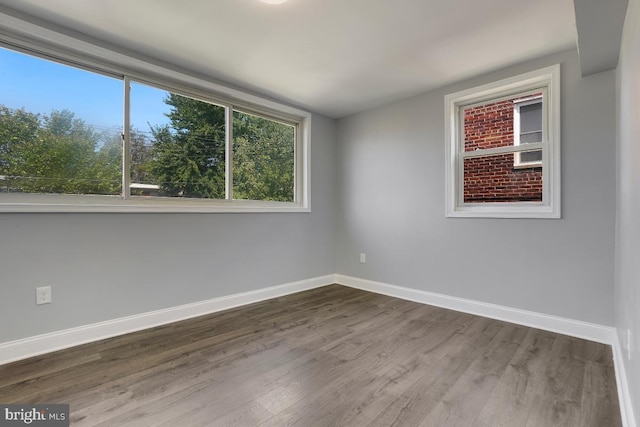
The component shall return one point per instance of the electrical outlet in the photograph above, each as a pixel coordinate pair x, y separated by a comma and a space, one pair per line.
43, 295
363, 258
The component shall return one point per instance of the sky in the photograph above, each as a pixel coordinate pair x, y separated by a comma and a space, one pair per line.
40, 86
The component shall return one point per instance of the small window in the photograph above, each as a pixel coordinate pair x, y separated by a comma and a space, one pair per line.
503, 148
527, 128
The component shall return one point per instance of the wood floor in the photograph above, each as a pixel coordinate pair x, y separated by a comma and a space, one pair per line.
333, 356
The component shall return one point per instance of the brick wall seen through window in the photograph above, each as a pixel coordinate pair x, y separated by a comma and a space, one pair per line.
496, 178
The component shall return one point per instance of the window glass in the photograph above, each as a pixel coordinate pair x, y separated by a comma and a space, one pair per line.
493, 124
531, 120
60, 128
503, 178
263, 158
530, 123
177, 145
494, 179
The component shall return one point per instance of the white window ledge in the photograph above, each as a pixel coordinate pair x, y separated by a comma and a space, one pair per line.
20, 202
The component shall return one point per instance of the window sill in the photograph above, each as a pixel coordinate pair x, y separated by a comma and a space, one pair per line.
19, 202
519, 166
502, 210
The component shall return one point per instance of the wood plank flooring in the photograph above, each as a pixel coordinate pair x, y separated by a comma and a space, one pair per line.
332, 356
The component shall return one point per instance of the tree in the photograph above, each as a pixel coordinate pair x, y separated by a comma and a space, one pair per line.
140, 145
108, 165
65, 155
263, 159
18, 131
55, 153
59, 153
189, 155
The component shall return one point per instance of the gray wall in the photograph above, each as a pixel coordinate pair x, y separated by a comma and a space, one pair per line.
627, 289
391, 204
105, 266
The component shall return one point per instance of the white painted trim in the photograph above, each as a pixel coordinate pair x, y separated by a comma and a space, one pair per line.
46, 343
575, 328
624, 397
36, 202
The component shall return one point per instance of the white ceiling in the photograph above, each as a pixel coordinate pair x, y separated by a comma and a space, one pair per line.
335, 57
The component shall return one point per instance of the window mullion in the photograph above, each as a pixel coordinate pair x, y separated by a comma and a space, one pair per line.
228, 141
460, 180
126, 141
530, 146
459, 159
547, 153
298, 158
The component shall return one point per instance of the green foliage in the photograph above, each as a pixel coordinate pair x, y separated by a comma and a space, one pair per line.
107, 167
263, 156
189, 156
18, 130
141, 157
54, 153
59, 153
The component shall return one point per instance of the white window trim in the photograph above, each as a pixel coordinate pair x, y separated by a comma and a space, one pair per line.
547, 79
54, 43
517, 163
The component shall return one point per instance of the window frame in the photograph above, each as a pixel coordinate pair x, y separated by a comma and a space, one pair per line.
46, 44
546, 80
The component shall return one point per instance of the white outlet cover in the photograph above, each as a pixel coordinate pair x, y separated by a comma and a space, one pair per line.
43, 295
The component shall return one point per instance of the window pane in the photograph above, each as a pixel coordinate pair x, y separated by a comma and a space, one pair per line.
491, 125
263, 158
530, 156
531, 117
526, 138
494, 179
59, 128
177, 145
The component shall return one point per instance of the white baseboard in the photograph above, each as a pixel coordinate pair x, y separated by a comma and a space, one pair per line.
46, 343
575, 328
626, 406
